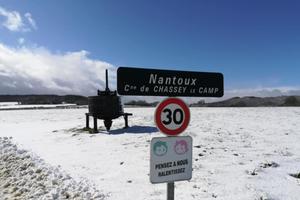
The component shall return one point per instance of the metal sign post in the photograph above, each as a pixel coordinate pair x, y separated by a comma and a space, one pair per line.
170, 161
171, 156
170, 191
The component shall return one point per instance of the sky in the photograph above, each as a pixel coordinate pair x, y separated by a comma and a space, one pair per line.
63, 46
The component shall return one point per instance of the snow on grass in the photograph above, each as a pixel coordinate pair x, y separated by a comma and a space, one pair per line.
239, 153
16, 106
4, 104
25, 176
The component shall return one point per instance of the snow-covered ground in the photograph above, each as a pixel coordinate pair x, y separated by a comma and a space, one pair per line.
239, 153
17, 106
25, 176
4, 104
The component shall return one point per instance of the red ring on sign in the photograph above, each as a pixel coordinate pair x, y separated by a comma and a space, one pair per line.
159, 123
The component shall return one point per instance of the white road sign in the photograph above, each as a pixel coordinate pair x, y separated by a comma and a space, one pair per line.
171, 159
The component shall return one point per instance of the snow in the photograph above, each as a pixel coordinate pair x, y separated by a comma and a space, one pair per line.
2, 104
24, 176
16, 106
239, 153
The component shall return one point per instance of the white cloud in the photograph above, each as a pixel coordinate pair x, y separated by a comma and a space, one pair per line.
13, 21
21, 41
31, 20
28, 70
36, 70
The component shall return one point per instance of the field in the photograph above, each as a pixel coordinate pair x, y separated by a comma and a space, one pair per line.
239, 153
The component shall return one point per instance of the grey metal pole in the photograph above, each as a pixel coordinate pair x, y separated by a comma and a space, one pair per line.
95, 125
170, 191
106, 78
170, 187
126, 120
87, 122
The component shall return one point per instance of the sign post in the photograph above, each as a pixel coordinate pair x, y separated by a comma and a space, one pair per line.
170, 157
170, 191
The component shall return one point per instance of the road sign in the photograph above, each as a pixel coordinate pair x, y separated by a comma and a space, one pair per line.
171, 159
154, 82
172, 116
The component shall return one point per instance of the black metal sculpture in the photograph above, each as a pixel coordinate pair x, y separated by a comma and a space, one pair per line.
106, 106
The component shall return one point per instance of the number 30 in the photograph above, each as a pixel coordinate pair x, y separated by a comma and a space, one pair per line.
173, 117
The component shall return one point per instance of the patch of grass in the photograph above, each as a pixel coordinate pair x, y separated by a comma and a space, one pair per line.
85, 129
252, 172
269, 164
297, 175
80, 130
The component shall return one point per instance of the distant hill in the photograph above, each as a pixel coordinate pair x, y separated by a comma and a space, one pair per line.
45, 99
253, 102
82, 100
141, 104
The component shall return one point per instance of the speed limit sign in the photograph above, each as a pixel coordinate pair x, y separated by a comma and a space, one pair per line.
172, 116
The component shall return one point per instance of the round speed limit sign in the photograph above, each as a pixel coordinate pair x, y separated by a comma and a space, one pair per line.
172, 116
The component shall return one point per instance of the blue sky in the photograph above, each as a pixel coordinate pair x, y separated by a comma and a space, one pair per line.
254, 43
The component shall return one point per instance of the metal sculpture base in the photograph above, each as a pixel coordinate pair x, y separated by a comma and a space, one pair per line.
107, 122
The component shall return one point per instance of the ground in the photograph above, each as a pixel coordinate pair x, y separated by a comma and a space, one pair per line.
239, 153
